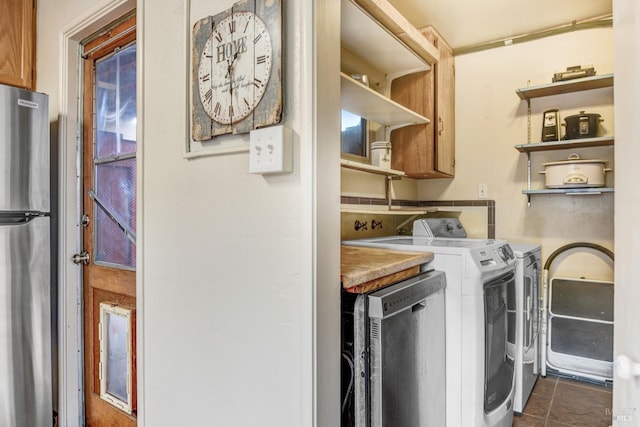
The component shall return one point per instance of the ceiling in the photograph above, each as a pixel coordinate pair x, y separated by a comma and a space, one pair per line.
468, 22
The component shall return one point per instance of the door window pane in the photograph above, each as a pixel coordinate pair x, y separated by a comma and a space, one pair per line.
116, 103
114, 158
117, 329
116, 189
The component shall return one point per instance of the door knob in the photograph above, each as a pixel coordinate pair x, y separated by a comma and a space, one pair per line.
626, 368
81, 258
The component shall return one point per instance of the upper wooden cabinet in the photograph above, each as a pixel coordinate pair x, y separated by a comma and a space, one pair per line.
427, 150
17, 42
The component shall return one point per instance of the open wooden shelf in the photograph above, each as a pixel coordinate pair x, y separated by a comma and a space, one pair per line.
363, 167
571, 191
565, 144
586, 83
384, 211
358, 99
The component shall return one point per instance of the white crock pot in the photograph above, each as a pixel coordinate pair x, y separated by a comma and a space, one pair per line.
575, 173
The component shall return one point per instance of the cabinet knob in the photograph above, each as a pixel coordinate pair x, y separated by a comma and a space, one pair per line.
440, 126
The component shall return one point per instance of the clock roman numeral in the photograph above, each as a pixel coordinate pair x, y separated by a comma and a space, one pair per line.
230, 111
217, 109
232, 26
257, 82
246, 102
207, 96
205, 78
258, 37
246, 25
261, 59
218, 37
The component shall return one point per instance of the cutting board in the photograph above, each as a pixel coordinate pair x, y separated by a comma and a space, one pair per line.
365, 269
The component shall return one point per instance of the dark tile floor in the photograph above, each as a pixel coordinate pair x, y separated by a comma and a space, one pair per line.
561, 402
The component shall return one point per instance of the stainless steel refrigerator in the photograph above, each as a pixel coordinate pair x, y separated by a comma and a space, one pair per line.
25, 260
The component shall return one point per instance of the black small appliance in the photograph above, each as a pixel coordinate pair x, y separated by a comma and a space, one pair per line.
550, 126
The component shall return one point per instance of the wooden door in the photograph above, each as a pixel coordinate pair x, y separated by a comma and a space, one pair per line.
17, 42
413, 147
427, 150
109, 207
444, 117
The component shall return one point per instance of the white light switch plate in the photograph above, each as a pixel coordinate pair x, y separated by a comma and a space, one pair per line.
270, 150
483, 191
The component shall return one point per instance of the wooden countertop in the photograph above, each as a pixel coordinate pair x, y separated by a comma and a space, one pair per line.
365, 269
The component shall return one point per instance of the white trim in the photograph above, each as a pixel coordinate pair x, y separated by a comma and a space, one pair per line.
626, 340
320, 64
70, 380
69, 278
140, 331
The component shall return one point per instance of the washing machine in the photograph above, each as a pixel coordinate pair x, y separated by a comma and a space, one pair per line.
527, 320
480, 277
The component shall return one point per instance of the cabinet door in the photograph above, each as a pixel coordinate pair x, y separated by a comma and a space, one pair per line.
444, 124
17, 37
427, 151
413, 147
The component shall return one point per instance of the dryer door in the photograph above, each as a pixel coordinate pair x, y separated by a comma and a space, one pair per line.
498, 375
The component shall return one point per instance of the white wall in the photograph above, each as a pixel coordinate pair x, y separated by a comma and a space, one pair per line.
626, 393
229, 257
238, 293
491, 119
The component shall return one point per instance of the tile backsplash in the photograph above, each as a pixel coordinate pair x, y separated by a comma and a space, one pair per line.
368, 217
364, 225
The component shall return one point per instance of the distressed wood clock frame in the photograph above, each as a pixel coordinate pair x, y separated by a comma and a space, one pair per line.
235, 73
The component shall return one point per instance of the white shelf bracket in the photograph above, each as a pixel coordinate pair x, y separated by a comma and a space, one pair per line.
391, 128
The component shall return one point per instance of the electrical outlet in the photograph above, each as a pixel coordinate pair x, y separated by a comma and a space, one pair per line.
270, 150
483, 191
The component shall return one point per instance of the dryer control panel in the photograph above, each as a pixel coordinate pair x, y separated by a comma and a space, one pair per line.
494, 256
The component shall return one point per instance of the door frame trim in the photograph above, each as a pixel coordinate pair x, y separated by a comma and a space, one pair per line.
70, 348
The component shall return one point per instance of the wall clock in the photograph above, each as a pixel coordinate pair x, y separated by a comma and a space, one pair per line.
236, 74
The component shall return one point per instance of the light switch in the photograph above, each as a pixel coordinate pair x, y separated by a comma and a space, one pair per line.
483, 191
270, 150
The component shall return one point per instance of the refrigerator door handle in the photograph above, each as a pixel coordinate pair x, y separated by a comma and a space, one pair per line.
17, 218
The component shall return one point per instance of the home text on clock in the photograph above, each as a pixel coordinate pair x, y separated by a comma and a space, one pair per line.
230, 50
